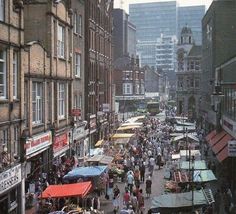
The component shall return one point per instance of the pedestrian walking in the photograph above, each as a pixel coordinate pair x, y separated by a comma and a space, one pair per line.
130, 181
149, 186
142, 172
126, 199
116, 199
141, 202
151, 165
134, 202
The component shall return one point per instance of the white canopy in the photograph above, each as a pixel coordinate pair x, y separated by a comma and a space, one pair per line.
190, 136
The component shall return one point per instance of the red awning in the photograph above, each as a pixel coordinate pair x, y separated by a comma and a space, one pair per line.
210, 135
223, 154
67, 190
216, 138
222, 143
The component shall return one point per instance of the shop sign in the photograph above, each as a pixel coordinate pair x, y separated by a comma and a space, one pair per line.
232, 148
106, 107
10, 178
38, 143
78, 133
76, 112
93, 124
60, 144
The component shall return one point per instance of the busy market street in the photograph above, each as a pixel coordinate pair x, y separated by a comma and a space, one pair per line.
142, 168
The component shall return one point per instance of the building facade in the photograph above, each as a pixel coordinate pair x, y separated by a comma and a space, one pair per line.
129, 80
154, 19
11, 105
192, 17
98, 67
124, 35
78, 137
188, 75
217, 42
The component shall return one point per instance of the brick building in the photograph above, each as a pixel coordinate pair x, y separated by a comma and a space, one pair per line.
47, 83
129, 79
98, 67
11, 104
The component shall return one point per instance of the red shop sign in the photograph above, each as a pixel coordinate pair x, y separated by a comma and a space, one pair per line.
61, 144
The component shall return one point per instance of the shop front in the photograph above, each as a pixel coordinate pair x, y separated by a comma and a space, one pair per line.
79, 135
61, 144
38, 157
10, 190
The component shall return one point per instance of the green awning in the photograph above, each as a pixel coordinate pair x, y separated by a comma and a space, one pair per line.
204, 176
183, 200
197, 165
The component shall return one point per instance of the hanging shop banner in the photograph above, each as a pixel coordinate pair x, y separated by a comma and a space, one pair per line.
232, 148
93, 124
79, 133
106, 107
10, 178
60, 144
37, 143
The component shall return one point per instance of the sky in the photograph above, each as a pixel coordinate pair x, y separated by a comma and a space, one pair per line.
117, 3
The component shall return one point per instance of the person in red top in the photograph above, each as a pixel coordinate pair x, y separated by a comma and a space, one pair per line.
141, 202
126, 198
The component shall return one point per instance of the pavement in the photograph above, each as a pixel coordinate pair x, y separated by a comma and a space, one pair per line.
157, 189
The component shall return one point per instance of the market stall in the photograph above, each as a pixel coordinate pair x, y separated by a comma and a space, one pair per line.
199, 176
182, 201
67, 190
85, 172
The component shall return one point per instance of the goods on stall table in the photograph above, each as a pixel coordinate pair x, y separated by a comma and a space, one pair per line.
180, 177
172, 186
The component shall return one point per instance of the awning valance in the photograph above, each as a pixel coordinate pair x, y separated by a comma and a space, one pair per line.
102, 159
192, 153
67, 190
99, 143
122, 135
216, 138
189, 136
128, 127
221, 143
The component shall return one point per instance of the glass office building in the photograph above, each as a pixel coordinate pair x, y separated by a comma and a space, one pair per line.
162, 18
154, 19
192, 17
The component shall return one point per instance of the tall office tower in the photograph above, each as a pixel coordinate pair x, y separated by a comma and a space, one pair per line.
153, 19
157, 18
192, 17
124, 35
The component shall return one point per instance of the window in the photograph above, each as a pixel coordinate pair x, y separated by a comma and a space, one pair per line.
2, 5
15, 74
3, 82
127, 88
79, 25
75, 23
16, 134
48, 102
137, 88
61, 101
37, 89
77, 65
60, 41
